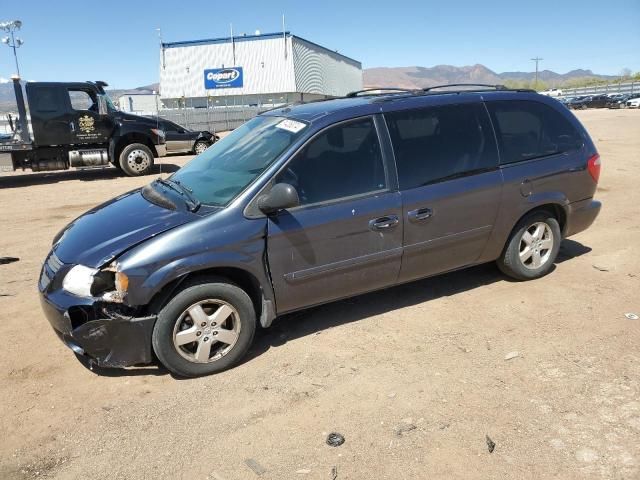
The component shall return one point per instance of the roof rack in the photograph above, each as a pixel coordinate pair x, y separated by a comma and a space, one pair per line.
372, 91
483, 85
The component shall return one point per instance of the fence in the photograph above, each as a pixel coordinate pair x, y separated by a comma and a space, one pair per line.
211, 119
612, 88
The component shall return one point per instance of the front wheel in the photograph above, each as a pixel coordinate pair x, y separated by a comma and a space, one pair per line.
200, 147
532, 248
206, 328
136, 159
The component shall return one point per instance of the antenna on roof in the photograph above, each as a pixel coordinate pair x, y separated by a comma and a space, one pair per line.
233, 45
161, 46
284, 37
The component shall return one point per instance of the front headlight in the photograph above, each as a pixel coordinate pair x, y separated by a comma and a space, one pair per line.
79, 280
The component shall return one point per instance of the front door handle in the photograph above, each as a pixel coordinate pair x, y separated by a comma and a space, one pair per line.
384, 223
420, 214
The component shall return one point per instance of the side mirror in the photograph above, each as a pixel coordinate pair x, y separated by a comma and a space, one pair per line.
102, 106
280, 197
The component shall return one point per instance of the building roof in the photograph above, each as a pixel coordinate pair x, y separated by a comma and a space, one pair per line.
248, 38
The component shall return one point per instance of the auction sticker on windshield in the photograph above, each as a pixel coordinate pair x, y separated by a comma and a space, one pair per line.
291, 125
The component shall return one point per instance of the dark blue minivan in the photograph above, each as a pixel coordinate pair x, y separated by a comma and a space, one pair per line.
312, 203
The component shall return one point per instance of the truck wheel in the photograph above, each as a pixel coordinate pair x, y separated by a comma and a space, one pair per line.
532, 248
205, 328
136, 159
200, 147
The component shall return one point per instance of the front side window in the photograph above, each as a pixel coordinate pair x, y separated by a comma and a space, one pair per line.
218, 175
527, 130
82, 100
343, 161
441, 143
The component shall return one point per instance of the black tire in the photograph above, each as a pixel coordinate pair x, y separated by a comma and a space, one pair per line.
174, 319
200, 144
136, 159
511, 262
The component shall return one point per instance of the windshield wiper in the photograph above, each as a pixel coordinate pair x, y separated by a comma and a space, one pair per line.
192, 202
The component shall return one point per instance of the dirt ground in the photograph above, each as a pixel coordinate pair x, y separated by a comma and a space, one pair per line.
414, 377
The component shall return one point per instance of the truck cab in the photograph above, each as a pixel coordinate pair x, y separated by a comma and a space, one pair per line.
75, 124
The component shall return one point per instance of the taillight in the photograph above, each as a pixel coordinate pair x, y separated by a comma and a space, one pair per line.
593, 165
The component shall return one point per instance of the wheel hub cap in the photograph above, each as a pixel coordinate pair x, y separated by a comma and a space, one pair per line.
206, 331
138, 160
536, 245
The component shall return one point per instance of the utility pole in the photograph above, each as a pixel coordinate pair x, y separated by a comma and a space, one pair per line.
11, 41
537, 60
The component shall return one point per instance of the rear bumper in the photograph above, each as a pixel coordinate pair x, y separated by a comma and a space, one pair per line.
161, 150
106, 339
581, 215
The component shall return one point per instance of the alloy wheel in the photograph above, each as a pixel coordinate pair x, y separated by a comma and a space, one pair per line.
206, 331
200, 147
536, 245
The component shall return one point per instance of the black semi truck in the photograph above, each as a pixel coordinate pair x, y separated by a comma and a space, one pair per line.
76, 125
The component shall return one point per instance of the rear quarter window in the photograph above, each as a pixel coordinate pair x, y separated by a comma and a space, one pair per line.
440, 143
528, 130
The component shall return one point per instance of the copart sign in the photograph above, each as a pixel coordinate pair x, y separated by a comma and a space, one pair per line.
223, 78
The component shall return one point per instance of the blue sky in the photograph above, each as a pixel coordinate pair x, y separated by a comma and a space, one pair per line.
117, 40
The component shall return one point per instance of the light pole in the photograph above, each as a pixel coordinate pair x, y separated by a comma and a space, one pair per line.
12, 41
537, 60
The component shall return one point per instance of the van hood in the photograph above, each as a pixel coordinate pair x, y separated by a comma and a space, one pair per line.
106, 231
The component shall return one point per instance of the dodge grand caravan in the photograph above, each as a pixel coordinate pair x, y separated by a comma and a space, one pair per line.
312, 203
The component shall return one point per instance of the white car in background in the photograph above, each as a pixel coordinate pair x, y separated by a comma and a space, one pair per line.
633, 103
554, 92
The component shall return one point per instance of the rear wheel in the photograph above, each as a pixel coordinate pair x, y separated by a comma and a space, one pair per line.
136, 159
532, 248
206, 328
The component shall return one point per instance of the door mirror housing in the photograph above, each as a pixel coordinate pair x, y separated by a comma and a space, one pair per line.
280, 197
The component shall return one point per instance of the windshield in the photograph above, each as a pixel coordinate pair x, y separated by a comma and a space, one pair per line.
218, 175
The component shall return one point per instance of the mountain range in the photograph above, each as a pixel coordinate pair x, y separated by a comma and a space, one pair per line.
421, 77
404, 77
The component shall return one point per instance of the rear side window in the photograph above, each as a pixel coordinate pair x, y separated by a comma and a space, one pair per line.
441, 143
343, 161
529, 130
46, 100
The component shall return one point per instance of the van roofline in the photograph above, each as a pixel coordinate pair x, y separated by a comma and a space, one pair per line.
361, 98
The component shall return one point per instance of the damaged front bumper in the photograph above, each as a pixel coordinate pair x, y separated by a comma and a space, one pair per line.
106, 334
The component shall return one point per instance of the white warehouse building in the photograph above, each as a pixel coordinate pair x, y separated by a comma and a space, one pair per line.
261, 69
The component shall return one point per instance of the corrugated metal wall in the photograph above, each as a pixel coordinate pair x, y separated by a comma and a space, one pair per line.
265, 67
140, 104
320, 71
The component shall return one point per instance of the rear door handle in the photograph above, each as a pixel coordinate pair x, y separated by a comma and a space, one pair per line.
420, 214
72, 126
384, 223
